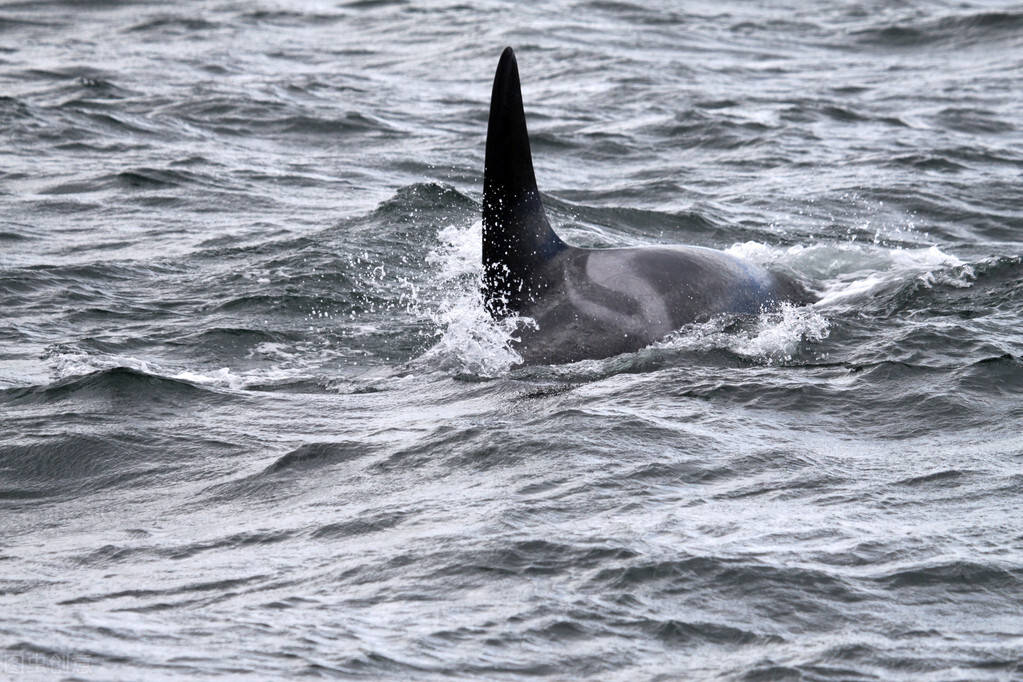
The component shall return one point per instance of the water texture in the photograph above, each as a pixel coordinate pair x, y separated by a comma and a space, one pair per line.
255, 424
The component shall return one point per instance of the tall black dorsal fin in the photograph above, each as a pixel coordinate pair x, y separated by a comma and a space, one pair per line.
517, 239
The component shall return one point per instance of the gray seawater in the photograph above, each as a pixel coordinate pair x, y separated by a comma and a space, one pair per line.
254, 423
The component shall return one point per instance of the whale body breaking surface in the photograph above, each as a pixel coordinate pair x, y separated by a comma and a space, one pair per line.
593, 303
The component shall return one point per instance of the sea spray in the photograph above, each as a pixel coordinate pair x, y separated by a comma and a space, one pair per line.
469, 340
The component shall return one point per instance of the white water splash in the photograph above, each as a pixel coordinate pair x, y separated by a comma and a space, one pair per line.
470, 341
779, 333
775, 337
850, 271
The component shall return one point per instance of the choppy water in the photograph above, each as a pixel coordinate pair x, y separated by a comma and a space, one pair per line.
254, 422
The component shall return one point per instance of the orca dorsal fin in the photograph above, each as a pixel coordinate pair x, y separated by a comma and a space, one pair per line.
517, 238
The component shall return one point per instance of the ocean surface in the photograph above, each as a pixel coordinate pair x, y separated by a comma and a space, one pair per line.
255, 424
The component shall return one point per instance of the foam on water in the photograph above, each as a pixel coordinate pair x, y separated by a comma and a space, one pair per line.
68, 362
847, 272
222, 377
774, 337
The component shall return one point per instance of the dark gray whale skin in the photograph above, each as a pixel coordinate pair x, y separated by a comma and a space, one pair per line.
593, 303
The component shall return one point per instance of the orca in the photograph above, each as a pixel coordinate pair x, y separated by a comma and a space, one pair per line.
592, 303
